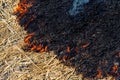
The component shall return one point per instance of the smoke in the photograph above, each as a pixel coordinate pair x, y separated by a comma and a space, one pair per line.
77, 6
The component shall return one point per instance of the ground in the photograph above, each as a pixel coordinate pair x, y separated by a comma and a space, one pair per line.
15, 64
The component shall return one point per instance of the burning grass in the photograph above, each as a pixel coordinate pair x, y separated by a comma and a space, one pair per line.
89, 41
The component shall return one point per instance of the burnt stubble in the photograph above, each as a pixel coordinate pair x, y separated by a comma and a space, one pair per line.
88, 41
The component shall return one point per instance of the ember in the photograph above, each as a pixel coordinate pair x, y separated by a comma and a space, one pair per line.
88, 41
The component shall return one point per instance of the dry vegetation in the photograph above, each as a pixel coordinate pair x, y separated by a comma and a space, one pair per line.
15, 64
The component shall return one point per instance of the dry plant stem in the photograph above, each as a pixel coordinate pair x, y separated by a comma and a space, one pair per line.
23, 53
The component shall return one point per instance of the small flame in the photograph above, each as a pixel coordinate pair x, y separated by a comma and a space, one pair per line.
99, 75
65, 57
39, 48
27, 38
22, 8
33, 48
85, 45
68, 49
46, 48
115, 68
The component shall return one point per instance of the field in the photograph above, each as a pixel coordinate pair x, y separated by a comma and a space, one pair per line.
15, 64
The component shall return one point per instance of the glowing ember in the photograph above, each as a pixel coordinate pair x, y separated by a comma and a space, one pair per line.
99, 75
27, 38
68, 49
115, 67
85, 45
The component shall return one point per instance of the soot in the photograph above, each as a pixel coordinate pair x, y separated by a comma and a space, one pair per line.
88, 41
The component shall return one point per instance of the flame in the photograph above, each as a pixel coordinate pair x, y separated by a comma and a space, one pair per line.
33, 48
22, 8
99, 75
39, 48
46, 48
115, 68
68, 49
65, 57
27, 38
85, 45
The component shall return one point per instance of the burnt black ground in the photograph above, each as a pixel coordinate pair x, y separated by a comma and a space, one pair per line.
98, 25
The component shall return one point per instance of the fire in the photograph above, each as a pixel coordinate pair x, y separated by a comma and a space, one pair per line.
27, 38
35, 20
85, 45
65, 57
68, 49
99, 75
115, 68
39, 48
22, 8
33, 48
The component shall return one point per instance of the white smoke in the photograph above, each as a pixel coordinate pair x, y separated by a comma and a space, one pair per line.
77, 6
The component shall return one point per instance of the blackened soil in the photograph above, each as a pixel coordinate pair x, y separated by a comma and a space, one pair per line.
94, 32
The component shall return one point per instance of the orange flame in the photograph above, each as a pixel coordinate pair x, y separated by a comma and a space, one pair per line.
22, 8
33, 48
65, 57
39, 48
115, 68
68, 49
42, 48
99, 75
46, 48
27, 38
85, 45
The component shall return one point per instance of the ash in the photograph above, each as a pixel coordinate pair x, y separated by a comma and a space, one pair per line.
88, 41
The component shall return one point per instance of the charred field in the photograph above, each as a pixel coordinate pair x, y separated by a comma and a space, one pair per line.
89, 42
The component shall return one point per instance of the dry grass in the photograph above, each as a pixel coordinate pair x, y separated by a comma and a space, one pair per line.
15, 64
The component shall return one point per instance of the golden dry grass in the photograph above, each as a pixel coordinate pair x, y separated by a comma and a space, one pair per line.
15, 64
